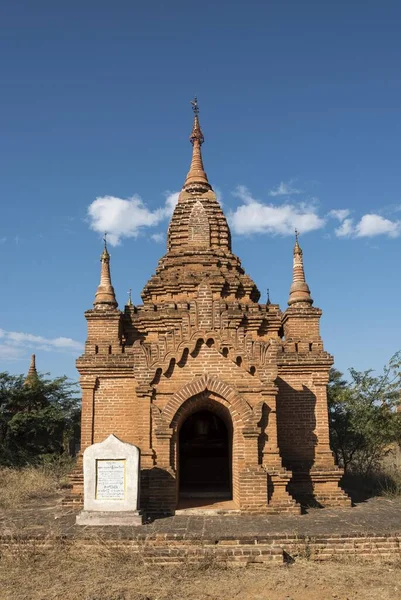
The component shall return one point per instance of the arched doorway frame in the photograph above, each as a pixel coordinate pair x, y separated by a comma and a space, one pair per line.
191, 396
208, 402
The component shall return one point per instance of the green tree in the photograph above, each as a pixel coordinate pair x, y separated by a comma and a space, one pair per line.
364, 421
37, 420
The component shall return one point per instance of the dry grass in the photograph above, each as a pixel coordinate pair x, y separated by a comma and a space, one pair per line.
17, 486
74, 573
391, 470
385, 480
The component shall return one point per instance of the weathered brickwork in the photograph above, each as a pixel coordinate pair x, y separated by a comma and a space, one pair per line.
230, 550
202, 341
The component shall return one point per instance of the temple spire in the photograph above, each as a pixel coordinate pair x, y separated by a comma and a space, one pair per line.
105, 297
32, 376
299, 291
196, 180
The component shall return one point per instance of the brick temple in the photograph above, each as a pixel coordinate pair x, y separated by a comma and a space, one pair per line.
225, 397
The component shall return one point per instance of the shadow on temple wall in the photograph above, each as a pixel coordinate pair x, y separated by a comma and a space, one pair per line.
296, 422
158, 493
263, 437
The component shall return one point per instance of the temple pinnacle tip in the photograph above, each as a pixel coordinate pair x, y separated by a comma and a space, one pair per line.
196, 180
32, 375
105, 296
299, 291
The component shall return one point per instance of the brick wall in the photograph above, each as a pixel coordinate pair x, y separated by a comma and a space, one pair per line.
296, 421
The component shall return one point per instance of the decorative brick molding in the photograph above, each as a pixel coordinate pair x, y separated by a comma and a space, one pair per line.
238, 406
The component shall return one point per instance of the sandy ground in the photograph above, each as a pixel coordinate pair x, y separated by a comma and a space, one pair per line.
115, 575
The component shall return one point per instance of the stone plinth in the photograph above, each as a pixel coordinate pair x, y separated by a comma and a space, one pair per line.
111, 484
99, 518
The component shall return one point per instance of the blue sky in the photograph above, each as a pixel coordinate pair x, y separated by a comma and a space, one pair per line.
300, 108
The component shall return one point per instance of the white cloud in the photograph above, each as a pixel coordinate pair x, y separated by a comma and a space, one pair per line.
157, 237
8, 352
346, 229
15, 342
284, 189
371, 225
123, 218
219, 195
170, 204
254, 216
126, 217
340, 214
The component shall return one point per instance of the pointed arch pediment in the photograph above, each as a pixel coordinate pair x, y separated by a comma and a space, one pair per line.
212, 384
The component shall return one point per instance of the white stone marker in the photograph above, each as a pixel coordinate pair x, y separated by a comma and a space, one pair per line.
111, 484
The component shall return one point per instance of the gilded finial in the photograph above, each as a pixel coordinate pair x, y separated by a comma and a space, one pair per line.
196, 129
297, 247
196, 180
195, 106
268, 297
129, 303
105, 254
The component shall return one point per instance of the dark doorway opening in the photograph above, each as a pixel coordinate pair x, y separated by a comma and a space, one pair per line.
205, 457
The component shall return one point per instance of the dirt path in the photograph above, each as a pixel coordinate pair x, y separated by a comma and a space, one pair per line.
106, 575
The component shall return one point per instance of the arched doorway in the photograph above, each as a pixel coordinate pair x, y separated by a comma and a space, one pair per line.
205, 448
